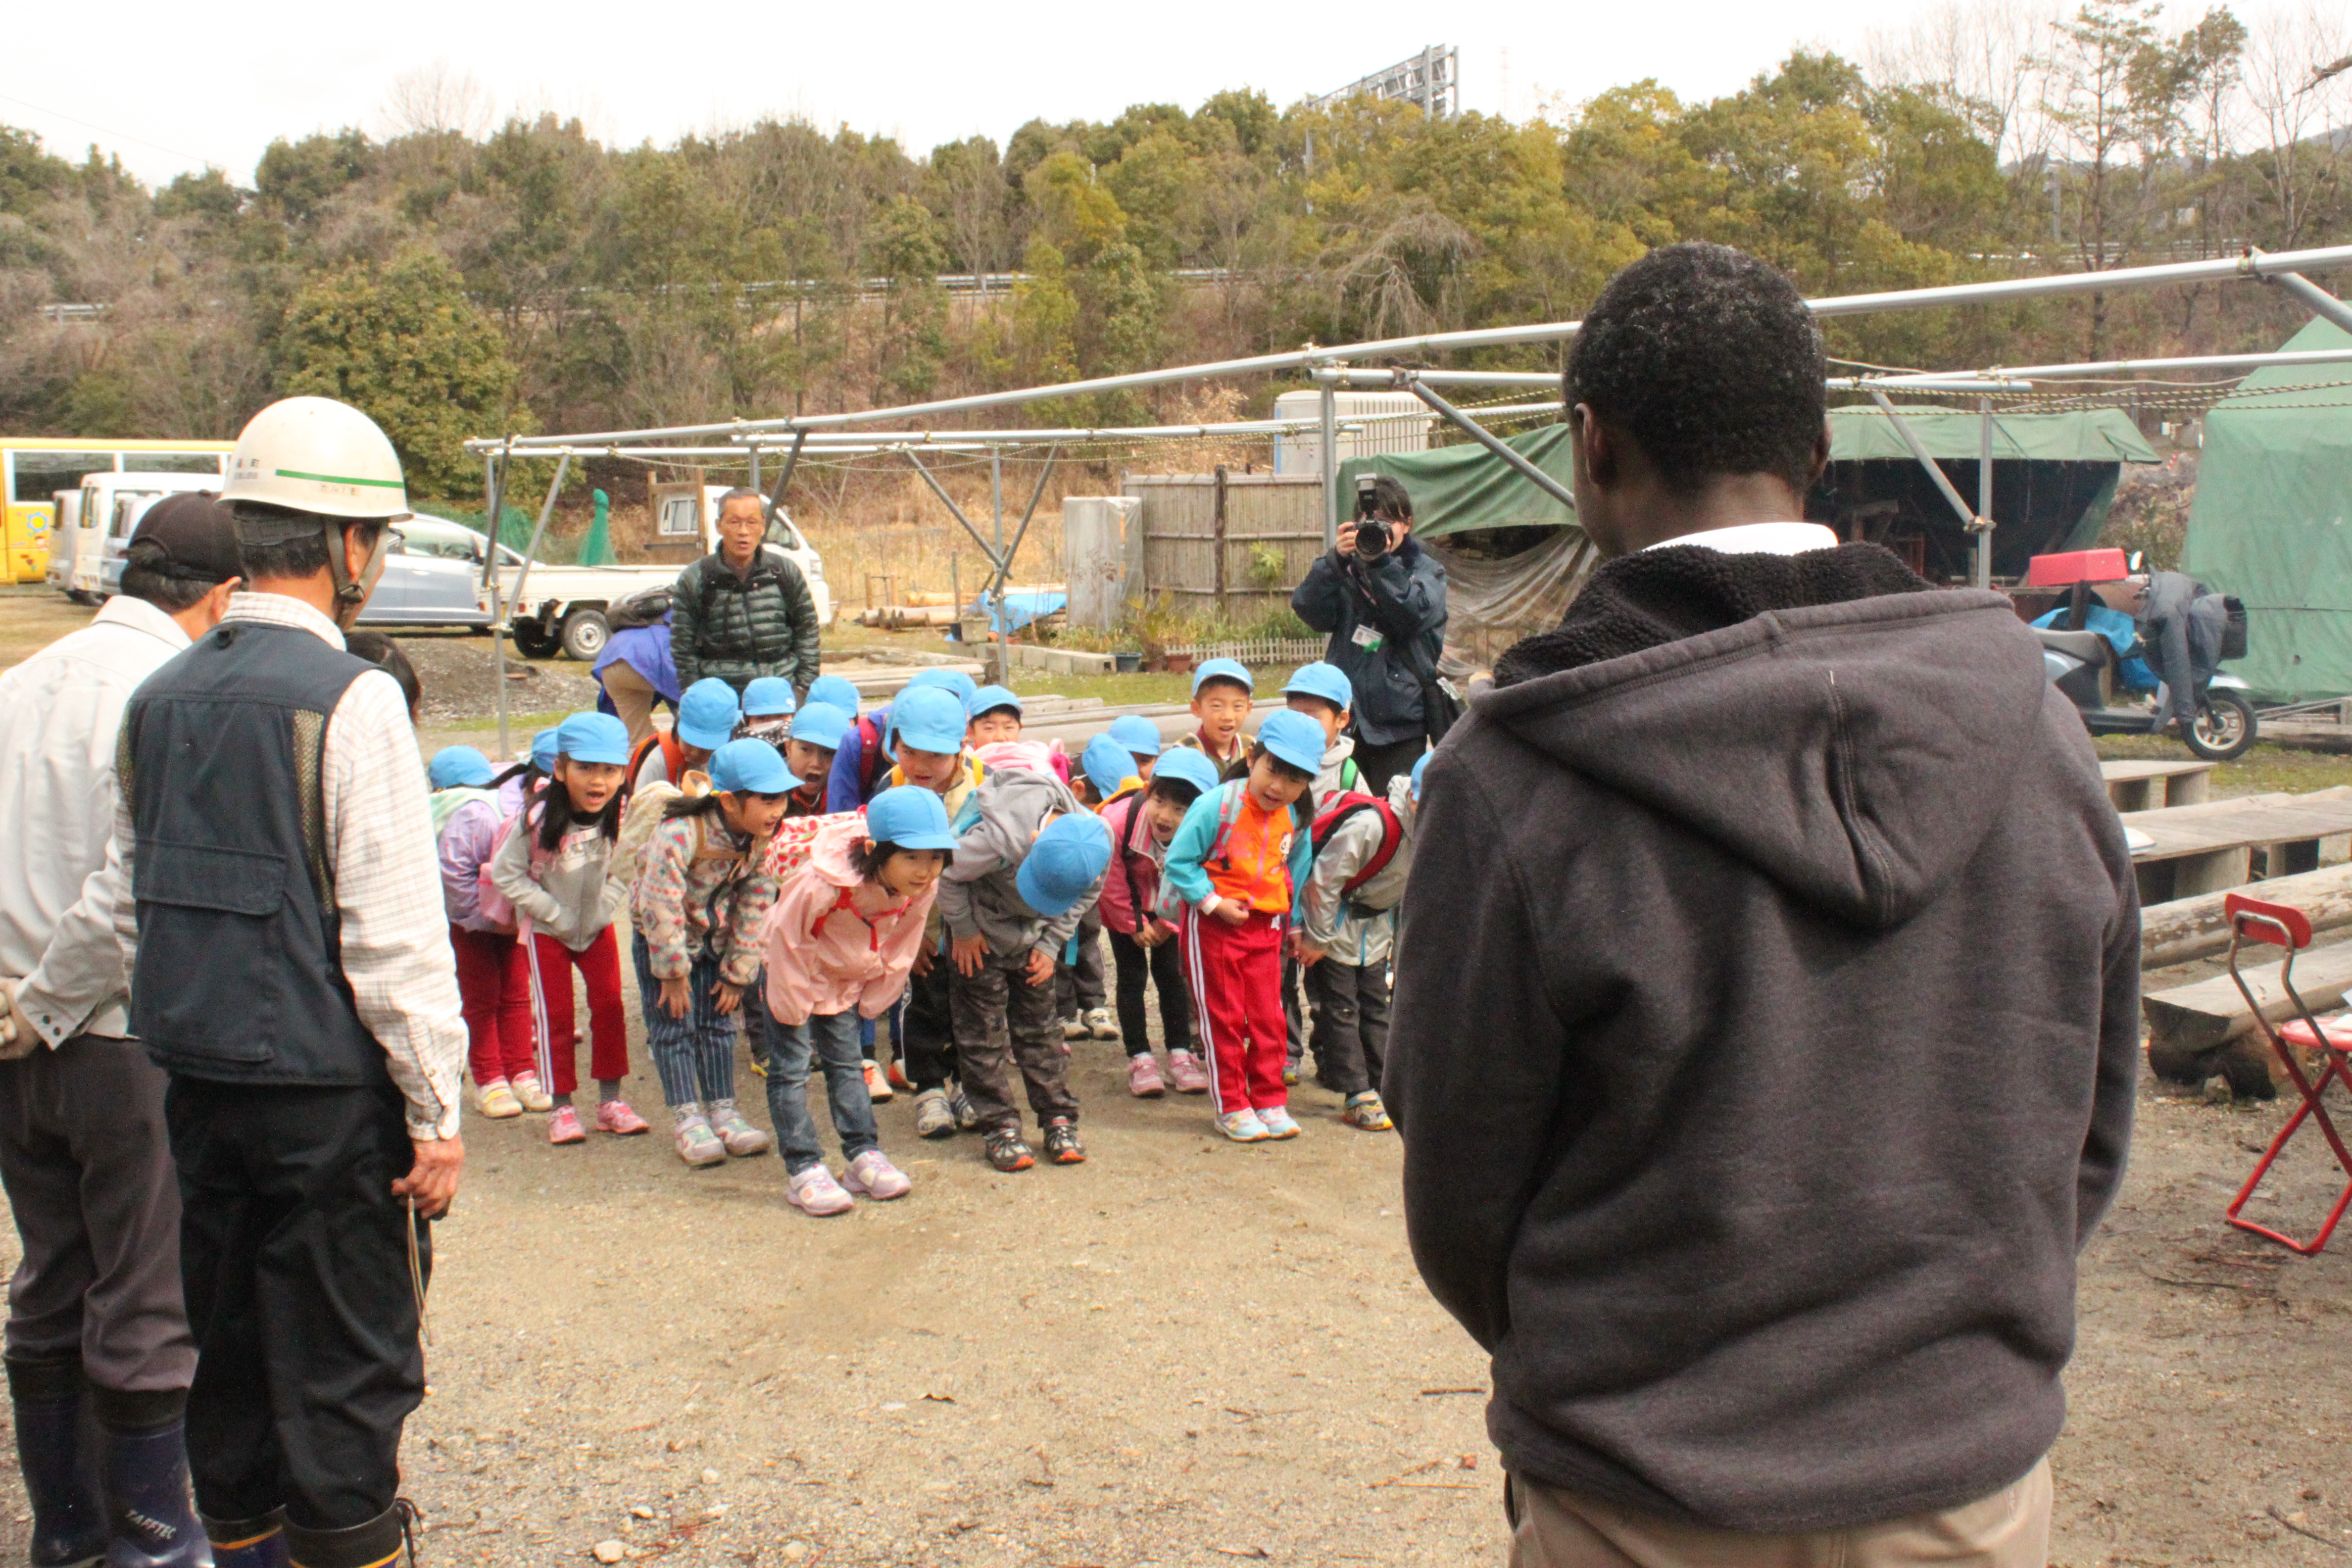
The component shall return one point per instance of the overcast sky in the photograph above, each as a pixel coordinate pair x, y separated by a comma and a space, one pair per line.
174, 87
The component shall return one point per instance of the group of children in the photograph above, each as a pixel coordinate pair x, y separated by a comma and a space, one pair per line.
803, 873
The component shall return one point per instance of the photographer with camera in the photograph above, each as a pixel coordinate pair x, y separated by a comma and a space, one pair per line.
1381, 598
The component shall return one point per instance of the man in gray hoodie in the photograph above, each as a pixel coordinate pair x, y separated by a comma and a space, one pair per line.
1767, 999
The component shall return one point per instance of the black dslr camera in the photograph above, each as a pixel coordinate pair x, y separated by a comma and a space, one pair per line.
1371, 531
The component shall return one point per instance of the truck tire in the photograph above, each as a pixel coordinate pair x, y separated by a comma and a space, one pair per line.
533, 640
585, 633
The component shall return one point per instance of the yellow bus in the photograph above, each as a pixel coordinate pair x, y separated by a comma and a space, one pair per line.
33, 469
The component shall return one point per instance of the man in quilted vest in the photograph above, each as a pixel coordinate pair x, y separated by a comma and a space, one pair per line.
744, 612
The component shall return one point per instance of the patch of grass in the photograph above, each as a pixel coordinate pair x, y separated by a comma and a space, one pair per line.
2261, 771
32, 617
1115, 691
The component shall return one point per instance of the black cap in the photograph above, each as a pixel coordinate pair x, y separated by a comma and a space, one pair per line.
190, 536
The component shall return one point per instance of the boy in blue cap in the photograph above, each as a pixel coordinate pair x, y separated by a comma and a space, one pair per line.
1141, 738
1029, 863
927, 733
814, 735
834, 691
995, 715
1080, 994
1346, 928
707, 715
1235, 869
859, 767
1220, 701
767, 707
1320, 691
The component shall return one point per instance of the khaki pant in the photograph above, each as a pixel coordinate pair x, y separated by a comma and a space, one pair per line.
2010, 1529
633, 697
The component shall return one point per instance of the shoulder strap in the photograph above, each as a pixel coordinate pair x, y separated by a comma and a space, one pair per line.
869, 754
1391, 834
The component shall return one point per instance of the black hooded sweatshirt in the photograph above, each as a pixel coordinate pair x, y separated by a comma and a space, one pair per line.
1766, 1022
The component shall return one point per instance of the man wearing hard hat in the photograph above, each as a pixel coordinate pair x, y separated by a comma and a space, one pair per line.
292, 972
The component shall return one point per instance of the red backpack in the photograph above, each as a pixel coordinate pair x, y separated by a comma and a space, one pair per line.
870, 759
1345, 806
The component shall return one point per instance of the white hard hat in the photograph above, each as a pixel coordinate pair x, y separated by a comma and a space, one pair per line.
315, 455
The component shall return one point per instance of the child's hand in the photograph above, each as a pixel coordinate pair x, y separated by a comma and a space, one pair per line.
1151, 933
728, 997
924, 959
1308, 954
676, 997
970, 954
1231, 914
1041, 967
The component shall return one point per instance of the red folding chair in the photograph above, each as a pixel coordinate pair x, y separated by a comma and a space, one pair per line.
2253, 921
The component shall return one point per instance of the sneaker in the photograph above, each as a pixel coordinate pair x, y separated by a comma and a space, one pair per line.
1103, 1022
616, 1116
967, 1120
742, 1140
1007, 1153
534, 1098
877, 1086
497, 1100
933, 1117
1143, 1077
1366, 1111
1290, 1075
872, 1175
698, 1146
1075, 1029
1062, 1145
1242, 1127
1275, 1120
897, 1077
563, 1127
757, 1062
1185, 1072
812, 1190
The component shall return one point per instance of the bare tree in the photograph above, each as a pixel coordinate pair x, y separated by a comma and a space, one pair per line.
1979, 54
2296, 103
435, 98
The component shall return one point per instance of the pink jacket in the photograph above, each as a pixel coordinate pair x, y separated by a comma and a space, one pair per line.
834, 942
1135, 865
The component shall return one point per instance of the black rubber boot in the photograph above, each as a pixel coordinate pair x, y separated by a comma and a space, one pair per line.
55, 1448
248, 1543
151, 1515
380, 1542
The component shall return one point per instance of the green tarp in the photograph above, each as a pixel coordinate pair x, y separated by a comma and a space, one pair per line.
2090, 435
2272, 522
1462, 487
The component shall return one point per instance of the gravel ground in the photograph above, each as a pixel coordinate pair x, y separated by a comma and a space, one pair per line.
459, 675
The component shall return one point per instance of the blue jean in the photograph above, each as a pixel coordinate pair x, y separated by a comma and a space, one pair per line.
830, 1039
695, 1055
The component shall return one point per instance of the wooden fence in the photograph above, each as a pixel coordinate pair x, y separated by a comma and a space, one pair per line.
1233, 544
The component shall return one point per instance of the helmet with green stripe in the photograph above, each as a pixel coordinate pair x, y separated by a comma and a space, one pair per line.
307, 467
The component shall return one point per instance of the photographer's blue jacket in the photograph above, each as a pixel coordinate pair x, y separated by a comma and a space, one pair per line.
1401, 600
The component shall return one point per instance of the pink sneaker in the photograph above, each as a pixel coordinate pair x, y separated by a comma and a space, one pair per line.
873, 1174
616, 1116
1143, 1077
563, 1127
1185, 1071
813, 1190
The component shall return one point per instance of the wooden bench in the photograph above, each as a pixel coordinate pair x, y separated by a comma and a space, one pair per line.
2208, 847
2151, 787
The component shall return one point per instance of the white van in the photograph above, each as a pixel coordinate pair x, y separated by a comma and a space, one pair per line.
105, 517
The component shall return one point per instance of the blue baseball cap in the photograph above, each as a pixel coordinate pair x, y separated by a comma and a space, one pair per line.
1064, 864
455, 765
542, 750
910, 816
1191, 767
837, 691
1136, 734
594, 738
1293, 738
1226, 668
928, 718
946, 679
1108, 766
750, 767
706, 713
767, 697
820, 725
1420, 766
1328, 681
988, 699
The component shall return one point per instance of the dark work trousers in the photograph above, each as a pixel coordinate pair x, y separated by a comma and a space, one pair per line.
927, 1038
295, 1255
1078, 987
1376, 766
88, 1165
1164, 966
1000, 1016
1351, 1023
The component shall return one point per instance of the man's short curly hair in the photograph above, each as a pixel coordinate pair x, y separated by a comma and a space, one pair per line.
1708, 360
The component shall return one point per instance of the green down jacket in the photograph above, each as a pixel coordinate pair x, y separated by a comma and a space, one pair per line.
740, 627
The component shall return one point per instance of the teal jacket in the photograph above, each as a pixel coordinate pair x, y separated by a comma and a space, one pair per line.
1200, 838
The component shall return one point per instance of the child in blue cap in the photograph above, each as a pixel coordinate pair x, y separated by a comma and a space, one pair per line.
1235, 869
556, 868
1104, 770
1140, 738
767, 707
995, 715
1320, 691
835, 691
1028, 865
707, 715
1142, 944
814, 735
1346, 928
700, 904
1220, 701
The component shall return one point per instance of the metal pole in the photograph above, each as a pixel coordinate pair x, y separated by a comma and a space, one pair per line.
1003, 566
948, 501
1328, 412
1495, 444
754, 480
791, 461
2017, 376
493, 480
2321, 301
522, 573
1943, 482
1984, 494
1035, 495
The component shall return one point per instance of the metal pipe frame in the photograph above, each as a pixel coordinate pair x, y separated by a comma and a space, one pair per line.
1495, 444
1984, 493
776, 496
1328, 461
1969, 519
2016, 375
2218, 268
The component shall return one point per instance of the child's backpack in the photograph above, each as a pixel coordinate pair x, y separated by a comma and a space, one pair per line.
1345, 806
871, 733
493, 903
673, 755
795, 837
643, 814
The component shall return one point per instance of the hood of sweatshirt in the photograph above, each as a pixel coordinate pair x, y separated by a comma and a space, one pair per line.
835, 842
1856, 752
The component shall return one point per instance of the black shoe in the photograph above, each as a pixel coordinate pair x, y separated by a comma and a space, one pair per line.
1062, 1145
59, 1462
148, 1515
250, 1543
1007, 1153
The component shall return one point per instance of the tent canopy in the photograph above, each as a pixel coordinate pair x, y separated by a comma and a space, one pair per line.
2272, 522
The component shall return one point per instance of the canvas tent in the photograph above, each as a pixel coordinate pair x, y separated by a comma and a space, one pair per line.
2272, 522
1514, 556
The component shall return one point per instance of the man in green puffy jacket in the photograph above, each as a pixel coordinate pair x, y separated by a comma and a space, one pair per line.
744, 612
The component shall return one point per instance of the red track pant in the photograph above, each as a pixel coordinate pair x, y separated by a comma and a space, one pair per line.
1234, 972
494, 989
599, 964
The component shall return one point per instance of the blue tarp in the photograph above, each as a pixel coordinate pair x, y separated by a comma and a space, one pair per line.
1019, 610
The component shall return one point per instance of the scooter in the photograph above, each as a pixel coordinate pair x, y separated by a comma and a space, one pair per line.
2113, 689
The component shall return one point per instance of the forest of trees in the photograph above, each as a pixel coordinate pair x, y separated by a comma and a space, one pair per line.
459, 279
